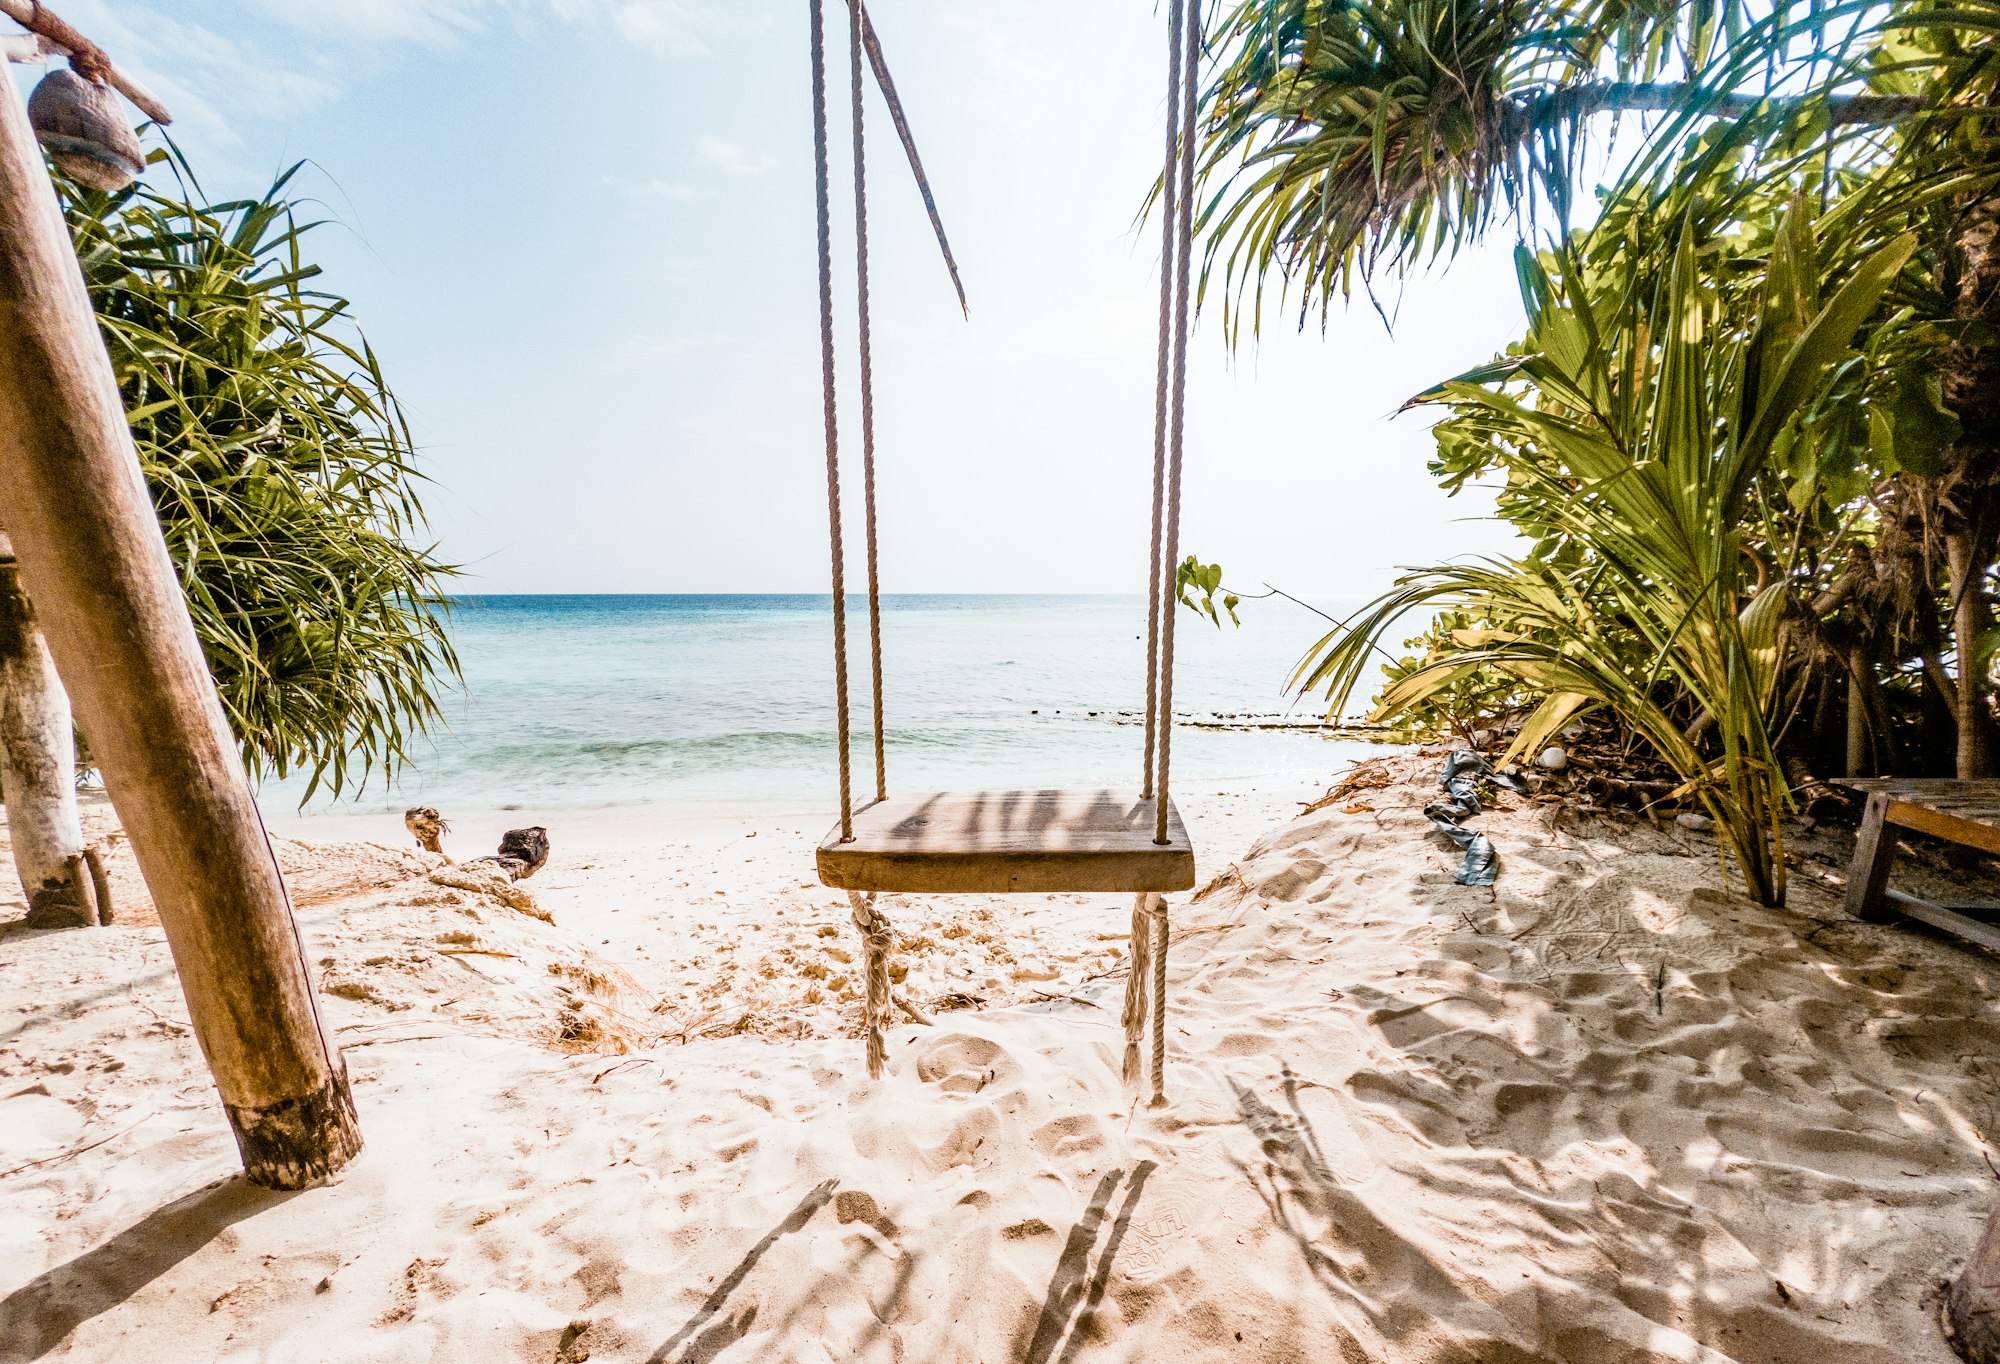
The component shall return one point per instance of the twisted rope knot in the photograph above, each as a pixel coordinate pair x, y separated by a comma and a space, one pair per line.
877, 939
1136, 978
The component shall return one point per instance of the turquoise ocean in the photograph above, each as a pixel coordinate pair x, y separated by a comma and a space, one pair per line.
595, 701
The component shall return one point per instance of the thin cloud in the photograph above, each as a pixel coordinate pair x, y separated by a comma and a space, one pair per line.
655, 190
732, 158
297, 55
371, 23
666, 28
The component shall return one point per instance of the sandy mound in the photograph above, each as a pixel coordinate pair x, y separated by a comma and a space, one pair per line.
1606, 1112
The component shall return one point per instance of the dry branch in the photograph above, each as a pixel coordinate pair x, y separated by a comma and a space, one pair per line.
52, 32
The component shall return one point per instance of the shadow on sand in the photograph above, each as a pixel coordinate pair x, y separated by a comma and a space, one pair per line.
704, 1341
1061, 1328
35, 1317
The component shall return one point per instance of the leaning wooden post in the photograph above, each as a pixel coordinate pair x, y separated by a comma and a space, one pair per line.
96, 566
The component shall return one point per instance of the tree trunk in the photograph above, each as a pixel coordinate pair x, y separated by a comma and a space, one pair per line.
1965, 492
1937, 731
1972, 1309
94, 562
1860, 758
1867, 718
1969, 619
38, 770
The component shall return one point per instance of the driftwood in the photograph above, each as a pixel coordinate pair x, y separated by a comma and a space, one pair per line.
523, 852
52, 35
38, 768
1972, 1308
109, 603
428, 827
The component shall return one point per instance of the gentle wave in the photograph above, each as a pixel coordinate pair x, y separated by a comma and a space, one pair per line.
590, 700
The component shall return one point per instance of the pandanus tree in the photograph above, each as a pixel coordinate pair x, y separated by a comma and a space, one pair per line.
285, 480
1351, 140
281, 468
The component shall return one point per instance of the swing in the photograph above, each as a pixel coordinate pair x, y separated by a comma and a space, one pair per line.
1128, 840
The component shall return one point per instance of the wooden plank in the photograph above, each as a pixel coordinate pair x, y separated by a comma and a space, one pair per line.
1937, 916
1982, 910
1947, 800
1009, 842
1912, 785
1960, 801
1954, 809
94, 563
1874, 850
1941, 824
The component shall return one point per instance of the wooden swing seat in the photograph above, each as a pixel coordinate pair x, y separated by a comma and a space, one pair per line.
1009, 842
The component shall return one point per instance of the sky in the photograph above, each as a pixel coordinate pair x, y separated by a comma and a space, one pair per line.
580, 235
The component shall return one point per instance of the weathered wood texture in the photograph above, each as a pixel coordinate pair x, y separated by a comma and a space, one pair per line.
1009, 842
38, 769
1966, 812
96, 566
1874, 850
1950, 918
1972, 1309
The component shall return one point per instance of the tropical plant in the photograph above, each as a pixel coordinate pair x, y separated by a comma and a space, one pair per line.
1340, 136
1343, 137
1642, 429
281, 468
1196, 583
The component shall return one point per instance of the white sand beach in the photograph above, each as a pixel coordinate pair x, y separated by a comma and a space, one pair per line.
1605, 1112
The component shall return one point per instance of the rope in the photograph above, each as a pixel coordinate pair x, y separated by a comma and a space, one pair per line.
822, 184
887, 84
1184, 240
1134, 1014
1159, 964
867, 361
876, 941
1167, 253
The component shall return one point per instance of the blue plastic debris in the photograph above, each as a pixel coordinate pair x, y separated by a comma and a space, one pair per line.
1463, 772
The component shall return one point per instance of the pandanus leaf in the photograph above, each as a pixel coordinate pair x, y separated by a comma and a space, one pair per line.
1550, 716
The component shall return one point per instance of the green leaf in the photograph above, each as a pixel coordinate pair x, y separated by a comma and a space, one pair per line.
1923, 429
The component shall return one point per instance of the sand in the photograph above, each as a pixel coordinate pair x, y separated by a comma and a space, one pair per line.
1608, 1111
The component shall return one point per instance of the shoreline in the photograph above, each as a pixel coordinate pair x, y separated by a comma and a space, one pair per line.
601, 828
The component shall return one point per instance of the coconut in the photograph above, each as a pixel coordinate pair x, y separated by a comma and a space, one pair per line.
81, 124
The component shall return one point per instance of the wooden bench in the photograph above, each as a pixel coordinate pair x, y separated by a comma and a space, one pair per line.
1966, 812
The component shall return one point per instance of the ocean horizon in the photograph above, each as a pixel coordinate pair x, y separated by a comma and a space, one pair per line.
606, 700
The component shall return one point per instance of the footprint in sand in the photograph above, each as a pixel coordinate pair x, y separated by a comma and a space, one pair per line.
961, 1063
33, 1123
1074, 1135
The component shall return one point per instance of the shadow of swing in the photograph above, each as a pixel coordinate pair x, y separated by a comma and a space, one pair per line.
1061, 1328
40, 1314
704, 1341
